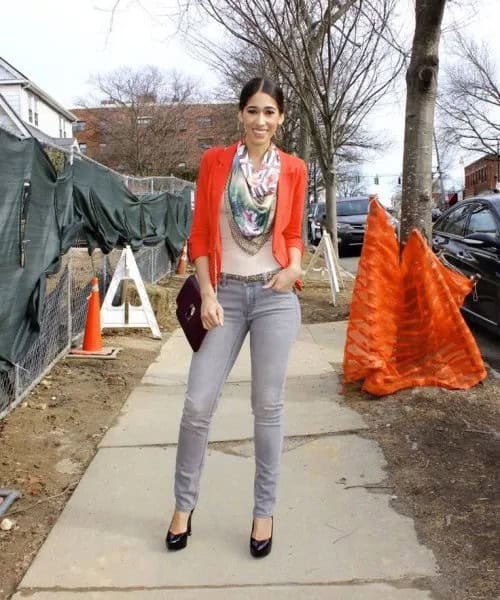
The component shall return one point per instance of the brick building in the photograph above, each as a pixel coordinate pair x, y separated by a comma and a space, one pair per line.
482, 175
169, 139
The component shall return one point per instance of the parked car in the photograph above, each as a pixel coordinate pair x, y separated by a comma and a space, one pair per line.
351, 221
316, 219
467, 237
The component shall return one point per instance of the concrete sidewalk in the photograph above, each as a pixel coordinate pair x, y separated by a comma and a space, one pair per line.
335, 538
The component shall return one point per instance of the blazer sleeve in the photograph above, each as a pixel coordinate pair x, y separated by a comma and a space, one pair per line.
293, 231
198, 242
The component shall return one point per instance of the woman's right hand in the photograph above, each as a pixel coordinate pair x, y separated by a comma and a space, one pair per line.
212, 313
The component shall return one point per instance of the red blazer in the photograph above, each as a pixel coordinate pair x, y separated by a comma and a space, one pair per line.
215, 168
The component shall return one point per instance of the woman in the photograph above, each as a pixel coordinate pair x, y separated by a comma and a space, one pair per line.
246, 245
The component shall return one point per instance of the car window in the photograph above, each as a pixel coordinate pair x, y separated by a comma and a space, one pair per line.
482, 221
352, 207
454, 222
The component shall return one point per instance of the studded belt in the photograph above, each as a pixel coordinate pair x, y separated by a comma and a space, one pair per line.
250, 278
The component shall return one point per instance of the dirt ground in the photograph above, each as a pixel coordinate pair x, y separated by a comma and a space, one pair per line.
442, 450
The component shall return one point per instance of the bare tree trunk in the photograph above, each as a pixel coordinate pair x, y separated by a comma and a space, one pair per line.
421, 85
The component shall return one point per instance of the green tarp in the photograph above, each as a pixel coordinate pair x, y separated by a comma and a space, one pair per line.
40, 215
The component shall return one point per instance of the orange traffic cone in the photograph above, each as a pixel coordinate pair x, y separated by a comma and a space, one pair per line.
92, 340
181, 265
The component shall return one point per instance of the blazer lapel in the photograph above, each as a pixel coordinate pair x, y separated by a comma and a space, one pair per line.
284, 189
221, 171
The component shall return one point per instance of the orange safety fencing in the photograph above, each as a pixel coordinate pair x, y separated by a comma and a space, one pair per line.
405, 327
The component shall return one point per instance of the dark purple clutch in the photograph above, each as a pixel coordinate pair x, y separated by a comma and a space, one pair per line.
189, 312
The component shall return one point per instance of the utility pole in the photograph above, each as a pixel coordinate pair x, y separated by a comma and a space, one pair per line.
441, 183
496, 186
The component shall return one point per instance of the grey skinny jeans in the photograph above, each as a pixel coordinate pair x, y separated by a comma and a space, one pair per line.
273, 320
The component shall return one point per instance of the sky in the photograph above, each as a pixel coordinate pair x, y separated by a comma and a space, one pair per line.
59, 44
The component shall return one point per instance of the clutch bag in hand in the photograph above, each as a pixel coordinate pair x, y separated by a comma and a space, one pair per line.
189, 312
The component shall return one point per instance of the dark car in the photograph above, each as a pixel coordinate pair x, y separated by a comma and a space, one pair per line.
351, 221
352, 214
467, 237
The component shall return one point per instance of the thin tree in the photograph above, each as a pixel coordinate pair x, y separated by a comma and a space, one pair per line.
421, 85
337, 57
141, 118
470, 101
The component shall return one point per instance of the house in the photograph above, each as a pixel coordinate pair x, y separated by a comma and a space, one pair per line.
25, 109
154, 139
483, 175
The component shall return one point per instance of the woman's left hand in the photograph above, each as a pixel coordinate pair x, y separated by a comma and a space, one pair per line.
285, 279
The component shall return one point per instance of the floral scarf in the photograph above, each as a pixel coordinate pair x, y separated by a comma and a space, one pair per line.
250, 198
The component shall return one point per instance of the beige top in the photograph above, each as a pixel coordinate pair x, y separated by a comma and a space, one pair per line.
238, 262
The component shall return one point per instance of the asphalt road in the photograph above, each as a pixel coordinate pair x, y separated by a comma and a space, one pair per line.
488, 343
350, 263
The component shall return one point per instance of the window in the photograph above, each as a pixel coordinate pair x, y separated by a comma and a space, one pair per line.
455, 222
482, 221
204, 121
79, 126
83, 148
144, 121
30, 108
205, 143
36, 111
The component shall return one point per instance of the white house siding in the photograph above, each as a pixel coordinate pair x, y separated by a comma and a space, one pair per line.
12, 93
48, 118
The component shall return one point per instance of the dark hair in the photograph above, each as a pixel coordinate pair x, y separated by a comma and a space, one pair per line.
261, 84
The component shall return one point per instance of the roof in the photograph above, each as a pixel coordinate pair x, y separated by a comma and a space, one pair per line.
194, 107
481, 158
19, 79
16, 120
47, 139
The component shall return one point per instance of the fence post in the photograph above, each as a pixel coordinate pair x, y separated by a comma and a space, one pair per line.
70, 313
16, 384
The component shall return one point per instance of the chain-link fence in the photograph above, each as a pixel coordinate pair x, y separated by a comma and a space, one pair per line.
65, 310
146, 185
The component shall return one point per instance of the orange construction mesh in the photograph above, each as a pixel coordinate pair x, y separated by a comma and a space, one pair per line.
405, 327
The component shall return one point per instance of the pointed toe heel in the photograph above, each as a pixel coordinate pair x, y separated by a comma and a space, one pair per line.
261, 548
178, 541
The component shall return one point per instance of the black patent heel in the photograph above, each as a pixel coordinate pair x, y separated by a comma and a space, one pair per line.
261, 548
178, 541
